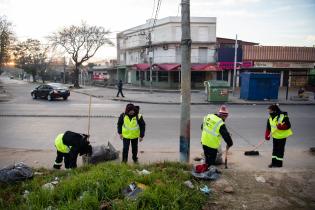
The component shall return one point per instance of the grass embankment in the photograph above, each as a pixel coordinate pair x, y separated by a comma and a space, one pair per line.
90, 186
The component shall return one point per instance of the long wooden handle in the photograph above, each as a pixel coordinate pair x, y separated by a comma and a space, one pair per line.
259, 144
89, 116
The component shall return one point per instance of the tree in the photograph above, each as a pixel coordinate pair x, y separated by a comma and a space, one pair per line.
6, 38
81, 43
31, 56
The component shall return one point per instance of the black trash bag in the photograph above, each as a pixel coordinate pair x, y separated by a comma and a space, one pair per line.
101, 153
15, 172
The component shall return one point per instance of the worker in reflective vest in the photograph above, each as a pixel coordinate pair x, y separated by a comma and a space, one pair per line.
213, 129
131, 128
279, 127
69, 145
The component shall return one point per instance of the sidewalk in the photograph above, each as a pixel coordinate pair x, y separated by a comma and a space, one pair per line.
198, 97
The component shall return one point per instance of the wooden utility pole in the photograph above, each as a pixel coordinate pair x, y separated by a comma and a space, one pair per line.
235, 61
184, 139
150, 59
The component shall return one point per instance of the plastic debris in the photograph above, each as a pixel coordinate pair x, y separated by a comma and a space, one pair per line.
48, 186
141, 186
51, 185
131, 191
260, 179
38, 173
211, 174
189, 184
229, 189
26, 193
206, 190
143, 172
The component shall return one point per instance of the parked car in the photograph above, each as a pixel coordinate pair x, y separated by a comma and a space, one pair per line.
51, 91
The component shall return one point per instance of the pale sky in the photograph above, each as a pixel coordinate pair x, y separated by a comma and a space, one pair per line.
268, 22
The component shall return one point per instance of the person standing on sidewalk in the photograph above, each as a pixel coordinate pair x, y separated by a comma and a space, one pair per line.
120, 87
279, 127
213, 128
131, 128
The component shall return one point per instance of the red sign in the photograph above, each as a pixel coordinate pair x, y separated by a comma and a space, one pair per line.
100, 76
230, 65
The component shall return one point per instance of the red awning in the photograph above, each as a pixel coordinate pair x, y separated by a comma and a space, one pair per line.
142, 66
168, 67
205, 67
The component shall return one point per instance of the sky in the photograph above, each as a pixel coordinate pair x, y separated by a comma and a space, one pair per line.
268, 22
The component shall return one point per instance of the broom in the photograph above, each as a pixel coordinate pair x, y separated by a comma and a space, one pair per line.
254, 152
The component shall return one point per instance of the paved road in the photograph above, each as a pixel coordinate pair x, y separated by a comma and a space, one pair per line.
37, 122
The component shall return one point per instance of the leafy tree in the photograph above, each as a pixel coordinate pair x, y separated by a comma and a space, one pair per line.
6, 38
81, 43
31, 57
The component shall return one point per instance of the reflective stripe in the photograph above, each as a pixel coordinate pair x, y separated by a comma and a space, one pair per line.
58, 164
281, 159
131, 129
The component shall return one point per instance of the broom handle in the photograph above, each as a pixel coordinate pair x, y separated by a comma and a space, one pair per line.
89, 116
259, 144
226, 153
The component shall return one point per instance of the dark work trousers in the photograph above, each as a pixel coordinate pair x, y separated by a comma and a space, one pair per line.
278, 152
62, 156
210, 155
120, 91
134, 147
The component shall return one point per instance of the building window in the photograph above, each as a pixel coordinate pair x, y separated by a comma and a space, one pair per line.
154, 73
203, 54
163, 76
198, 76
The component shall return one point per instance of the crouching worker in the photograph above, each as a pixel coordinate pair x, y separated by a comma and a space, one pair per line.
213, 128
69, 145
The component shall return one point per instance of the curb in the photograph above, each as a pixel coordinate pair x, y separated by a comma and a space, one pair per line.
209, 103
198, 103
61, 116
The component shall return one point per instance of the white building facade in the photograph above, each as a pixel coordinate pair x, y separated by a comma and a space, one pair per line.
134, 52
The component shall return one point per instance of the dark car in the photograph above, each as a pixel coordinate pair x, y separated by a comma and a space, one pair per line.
50, 91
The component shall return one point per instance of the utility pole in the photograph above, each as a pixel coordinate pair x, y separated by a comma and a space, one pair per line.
64, 69
184, 139
150, 59
235, 61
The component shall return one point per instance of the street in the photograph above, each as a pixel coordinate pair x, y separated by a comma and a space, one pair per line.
33, 124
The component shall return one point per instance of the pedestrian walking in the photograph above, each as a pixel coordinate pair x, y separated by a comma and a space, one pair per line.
120, 87
131, 128
279, 127
213, 129
69, 145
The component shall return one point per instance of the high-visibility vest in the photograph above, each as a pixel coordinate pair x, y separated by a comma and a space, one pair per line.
211, 136
61, 147
130, 128
276, 133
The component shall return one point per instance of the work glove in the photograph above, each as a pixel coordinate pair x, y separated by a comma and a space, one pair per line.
267, 135
140, 139
282, 126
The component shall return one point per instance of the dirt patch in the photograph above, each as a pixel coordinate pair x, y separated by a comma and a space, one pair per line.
280, 191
